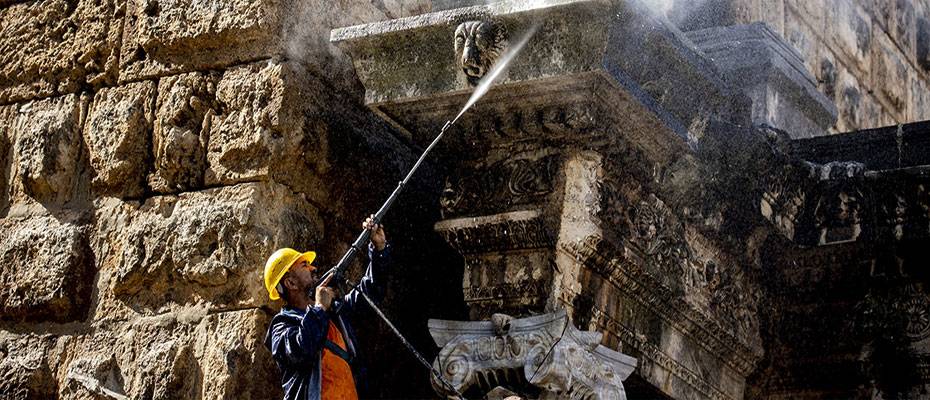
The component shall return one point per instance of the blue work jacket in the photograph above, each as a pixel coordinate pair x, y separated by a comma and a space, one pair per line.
295, 337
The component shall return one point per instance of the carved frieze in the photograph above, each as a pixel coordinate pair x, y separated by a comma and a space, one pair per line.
500, 186
867, 186
509, 126
656, 239
915, 305
543, 355
528, 289
626, 274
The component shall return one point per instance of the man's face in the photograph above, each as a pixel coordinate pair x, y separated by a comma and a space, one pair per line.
303, 275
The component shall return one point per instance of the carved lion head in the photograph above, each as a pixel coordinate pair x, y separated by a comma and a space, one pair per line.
478, 44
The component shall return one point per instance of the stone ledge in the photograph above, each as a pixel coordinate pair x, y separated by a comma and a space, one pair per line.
771, 72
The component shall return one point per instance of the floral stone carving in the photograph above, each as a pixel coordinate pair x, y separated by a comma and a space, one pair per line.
542, 356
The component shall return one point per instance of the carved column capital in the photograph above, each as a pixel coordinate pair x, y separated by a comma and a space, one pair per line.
541, 356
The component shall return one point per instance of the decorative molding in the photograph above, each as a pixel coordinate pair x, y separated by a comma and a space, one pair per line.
656, 355
507, 231
631, 279
498, 186
544, 353
528, 289
915, 305
514, 127
656, 238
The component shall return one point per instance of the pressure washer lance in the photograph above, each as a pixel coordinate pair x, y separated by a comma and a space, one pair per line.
337, 273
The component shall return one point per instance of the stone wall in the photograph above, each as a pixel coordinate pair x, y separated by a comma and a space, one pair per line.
153, 153
869, 56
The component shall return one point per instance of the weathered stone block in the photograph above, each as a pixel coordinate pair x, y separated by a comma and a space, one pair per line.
882, 12
46, 270
204, 246
185, 353
850, 30
25, 370
872, 113
849, 95
231, 346
889, 74
164, 36
46, 139
269, 121
923, 42
53, 47
804, 40
185, 106
118, 133
811, 11
770, 72
262, 127
904, 29
97, 376
157, 354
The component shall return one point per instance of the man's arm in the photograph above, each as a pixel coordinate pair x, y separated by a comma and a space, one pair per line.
372, 283
299, 344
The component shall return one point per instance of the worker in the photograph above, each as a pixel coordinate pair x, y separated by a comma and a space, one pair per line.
310, 338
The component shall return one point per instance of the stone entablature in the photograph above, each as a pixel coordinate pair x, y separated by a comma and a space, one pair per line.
867, 186
543, 357
578, 143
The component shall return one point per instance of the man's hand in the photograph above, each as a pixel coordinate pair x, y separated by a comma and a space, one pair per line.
324, 297
378, 238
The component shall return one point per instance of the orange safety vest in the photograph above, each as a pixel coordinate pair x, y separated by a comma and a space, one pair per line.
337, 380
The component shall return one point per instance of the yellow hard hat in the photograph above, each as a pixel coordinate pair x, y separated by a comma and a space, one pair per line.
278, 264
